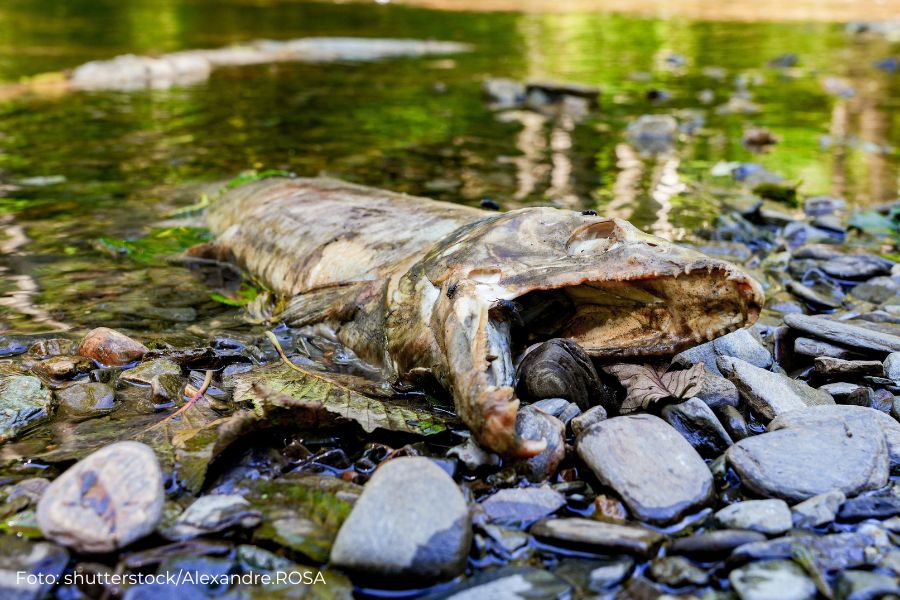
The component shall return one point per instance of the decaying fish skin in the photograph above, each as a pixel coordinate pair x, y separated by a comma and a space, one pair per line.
415, 285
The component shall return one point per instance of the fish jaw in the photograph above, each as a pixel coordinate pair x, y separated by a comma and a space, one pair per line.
625, 293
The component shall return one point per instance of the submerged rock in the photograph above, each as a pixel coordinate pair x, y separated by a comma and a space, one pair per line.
20, 559
676, 572
86, 399
522, 505
110, 348
105, 501
770, 394
653, 134
797, 463
772, 580
410, 522
209, 514
651, 466
510, 583
24, 403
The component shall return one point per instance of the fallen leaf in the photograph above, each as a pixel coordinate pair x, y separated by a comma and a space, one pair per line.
646, 385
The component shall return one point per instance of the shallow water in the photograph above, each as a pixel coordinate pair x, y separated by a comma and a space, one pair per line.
79, 168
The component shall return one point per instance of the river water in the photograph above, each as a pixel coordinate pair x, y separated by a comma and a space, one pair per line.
87, 179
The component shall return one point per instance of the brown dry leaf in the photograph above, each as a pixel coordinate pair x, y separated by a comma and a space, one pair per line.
645, 384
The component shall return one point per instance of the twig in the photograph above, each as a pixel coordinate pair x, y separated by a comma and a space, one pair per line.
281, 353
192, 400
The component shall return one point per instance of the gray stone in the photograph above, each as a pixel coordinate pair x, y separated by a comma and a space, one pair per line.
743, 345
770, 394
162, 375
829, 553
24, 403
582, 422
210, 514
839, 366
87, 398
560, 408
612, 573
881, 504
704, 353
816, 415
772, 517
892, 366
410, 522
125, 486
522, 505
772, 580
842, 391
676, 571
651, 466
507, 583
534, 424
20, 557
473, 456
598, 536
865, 585
696, 421
847, 334
876, 290
712, 545
811, 347
797, 463
857, 266
818, 510
818, 206
733, 422
717, 391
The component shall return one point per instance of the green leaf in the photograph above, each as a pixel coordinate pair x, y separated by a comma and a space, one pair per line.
303, 513
277, 385
244, 295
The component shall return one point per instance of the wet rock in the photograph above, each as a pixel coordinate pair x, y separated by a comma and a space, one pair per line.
603, 574
582, 422
651, 466
876, 290
162, 375
847, 334
421, 535
772, 580
105, 501
503, 93
110, 348
62, 367
473, 456
676, 572
696, 421
210, 514
810, 347
865, 585
557, 369
818, 510
892, 366
533, 424
507, 582
50, 347
829, 553
653, 134
597, 536
522, 505
609, 509
507, 538
771, 517
846, 393
801, 462
823, 415
770, 394
713, 544
31, 489
817, 206
819, 296
838, 366
857, 266
11, 346
24, 403
733, 422
881, 504
20, 559
86, 399
717, 392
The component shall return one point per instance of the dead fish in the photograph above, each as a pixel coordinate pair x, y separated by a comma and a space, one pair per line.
414, 285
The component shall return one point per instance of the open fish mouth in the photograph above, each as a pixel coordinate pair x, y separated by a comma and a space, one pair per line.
536, 274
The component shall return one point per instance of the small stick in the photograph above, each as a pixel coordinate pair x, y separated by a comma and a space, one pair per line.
192, 400
281, 353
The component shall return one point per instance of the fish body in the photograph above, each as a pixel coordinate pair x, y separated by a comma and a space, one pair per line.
417, 285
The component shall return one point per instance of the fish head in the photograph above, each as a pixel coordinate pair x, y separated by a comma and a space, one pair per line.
540, 273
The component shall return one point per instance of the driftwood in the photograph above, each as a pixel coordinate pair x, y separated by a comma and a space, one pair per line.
432, 288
